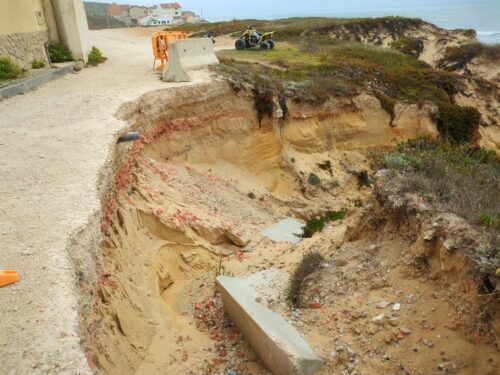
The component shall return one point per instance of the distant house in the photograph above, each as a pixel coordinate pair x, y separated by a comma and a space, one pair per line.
138, 11
169, 9
153, 20
119, 10
190, 17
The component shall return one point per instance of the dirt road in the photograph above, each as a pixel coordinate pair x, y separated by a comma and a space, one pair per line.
53, 142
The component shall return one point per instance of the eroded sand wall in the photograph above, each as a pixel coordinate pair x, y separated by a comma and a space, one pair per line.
178, 200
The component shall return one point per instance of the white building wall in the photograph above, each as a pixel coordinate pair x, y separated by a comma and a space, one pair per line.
168, 12
156, 21
72, 26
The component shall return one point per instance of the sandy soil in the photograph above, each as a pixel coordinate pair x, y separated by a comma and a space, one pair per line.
190, 203
53, 143
189, 215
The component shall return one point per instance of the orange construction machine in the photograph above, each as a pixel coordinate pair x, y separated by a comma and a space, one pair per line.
160, 42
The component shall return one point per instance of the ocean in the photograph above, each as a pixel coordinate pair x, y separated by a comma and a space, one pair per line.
484, 17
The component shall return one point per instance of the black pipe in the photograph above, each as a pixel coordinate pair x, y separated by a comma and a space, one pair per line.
132, 136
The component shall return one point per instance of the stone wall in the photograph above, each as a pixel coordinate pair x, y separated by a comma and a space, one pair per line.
23, 48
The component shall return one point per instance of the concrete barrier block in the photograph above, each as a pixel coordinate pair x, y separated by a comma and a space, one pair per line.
279, 346
196, 53
188, 54
174, 71
286, 230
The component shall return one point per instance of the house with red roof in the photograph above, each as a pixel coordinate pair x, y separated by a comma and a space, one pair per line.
173, 10
118, 10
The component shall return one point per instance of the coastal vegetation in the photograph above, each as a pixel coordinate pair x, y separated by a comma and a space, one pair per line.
409, 45
458, 57
318, 224
8, 69
38, 64
297, 27
313, 69
95, 56
60, 53
461, 179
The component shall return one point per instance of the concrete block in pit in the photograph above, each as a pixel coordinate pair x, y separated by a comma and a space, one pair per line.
286, 230
278, 345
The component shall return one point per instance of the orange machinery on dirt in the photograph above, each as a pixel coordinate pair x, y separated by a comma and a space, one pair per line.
160, 42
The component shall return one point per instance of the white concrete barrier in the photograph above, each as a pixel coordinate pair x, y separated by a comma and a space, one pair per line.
188, 54
278, 345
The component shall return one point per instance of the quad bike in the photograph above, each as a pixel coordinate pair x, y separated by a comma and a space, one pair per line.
252, 38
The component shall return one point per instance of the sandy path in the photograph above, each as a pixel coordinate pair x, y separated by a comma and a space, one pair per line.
53, 141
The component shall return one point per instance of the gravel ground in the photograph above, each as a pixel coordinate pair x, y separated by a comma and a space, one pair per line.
53, 142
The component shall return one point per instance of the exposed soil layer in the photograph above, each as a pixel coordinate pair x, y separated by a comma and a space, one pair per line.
189, 202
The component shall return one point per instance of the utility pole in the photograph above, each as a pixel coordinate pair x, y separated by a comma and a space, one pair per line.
107, 18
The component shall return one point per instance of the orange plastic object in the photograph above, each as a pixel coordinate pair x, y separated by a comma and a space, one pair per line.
8, 277
160, 41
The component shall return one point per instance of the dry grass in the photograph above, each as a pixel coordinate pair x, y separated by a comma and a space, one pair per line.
408, 45
296, 27
308, 264
456, 58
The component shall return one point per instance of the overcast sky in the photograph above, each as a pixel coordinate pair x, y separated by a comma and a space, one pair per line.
216, 9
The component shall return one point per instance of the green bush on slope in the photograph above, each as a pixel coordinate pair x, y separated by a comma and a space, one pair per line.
8, 69
59, 53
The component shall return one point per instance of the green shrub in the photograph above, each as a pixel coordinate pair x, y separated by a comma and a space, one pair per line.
308, 264
38, 64
59, 53
326, 166
458, 124
358, 203
263, 94
363, 178
462, 179
387, 103
8, 69
395, 161
312, 226
334, 184
486, 258
459, 56
313, 179
409, 46
317, 225
374, 222
251, 195
95, 56
488, 220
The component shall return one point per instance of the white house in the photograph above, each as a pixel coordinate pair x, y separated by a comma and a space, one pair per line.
169, 9
154, 20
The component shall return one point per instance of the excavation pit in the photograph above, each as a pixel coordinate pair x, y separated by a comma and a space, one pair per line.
188, 203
